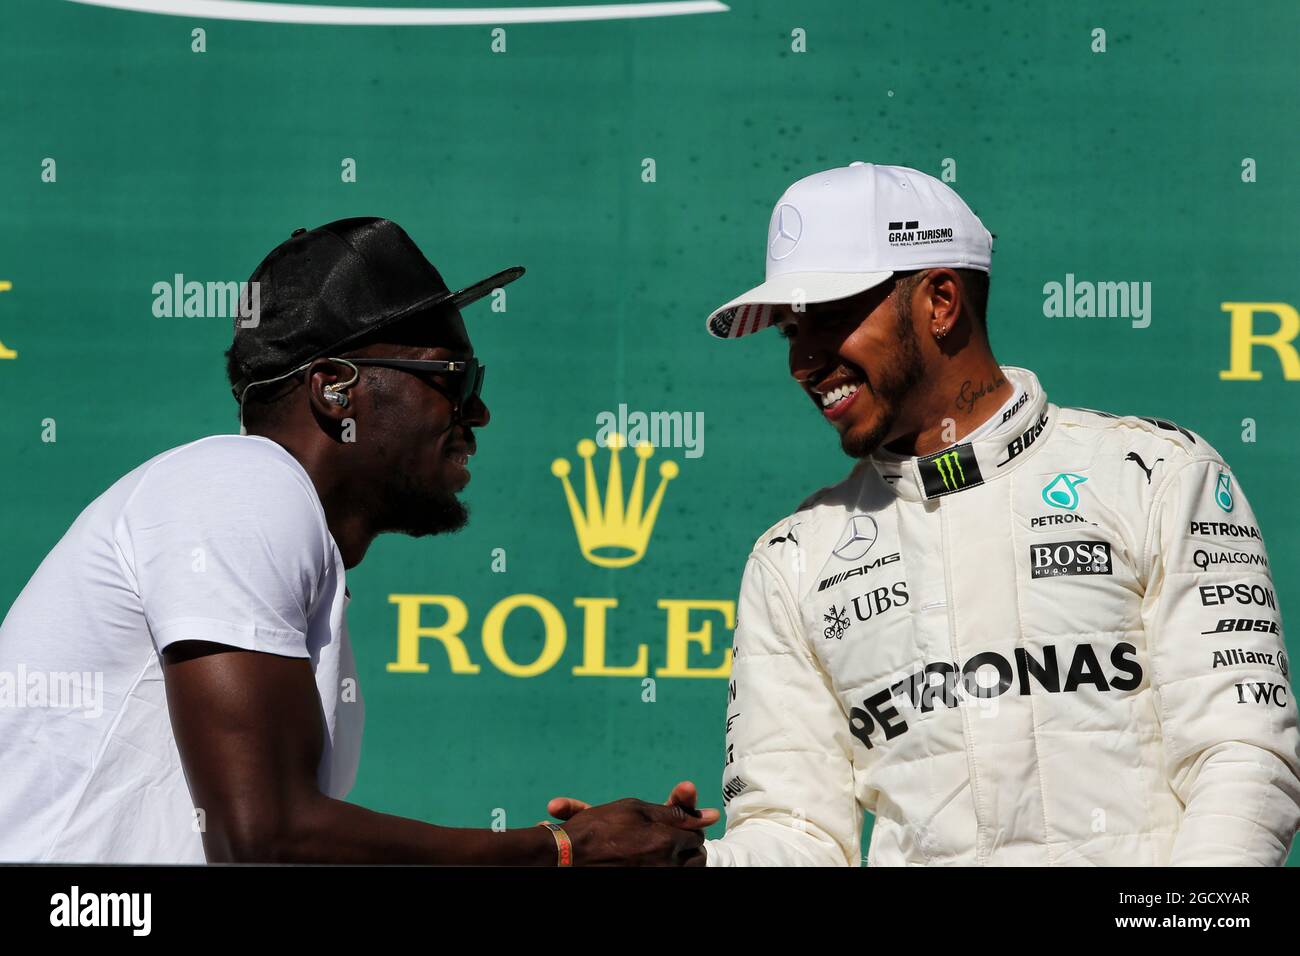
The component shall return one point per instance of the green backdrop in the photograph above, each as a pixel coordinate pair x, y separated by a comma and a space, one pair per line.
1169, 158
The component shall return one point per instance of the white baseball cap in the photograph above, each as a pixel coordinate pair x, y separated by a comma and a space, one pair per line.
841, 232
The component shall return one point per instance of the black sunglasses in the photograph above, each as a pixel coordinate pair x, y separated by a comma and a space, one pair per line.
468, 385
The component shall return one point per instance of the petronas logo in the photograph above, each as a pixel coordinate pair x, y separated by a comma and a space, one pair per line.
615, 532
1062, 491
1223, 492
950, 470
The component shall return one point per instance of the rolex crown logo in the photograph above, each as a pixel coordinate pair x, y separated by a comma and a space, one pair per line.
613, 534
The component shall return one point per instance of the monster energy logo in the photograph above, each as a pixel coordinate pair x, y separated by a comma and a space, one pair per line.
949, 467
954, 470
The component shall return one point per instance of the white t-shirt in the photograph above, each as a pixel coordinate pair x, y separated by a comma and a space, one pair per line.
220, 540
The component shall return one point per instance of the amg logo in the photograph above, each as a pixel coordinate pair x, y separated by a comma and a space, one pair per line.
1062, 558
837, 578
1228, 625
733, 788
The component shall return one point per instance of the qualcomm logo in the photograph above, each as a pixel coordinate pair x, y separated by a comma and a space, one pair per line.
785, 232
613, 533
264, 12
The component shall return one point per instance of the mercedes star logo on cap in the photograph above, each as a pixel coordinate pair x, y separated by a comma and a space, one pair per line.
789, 226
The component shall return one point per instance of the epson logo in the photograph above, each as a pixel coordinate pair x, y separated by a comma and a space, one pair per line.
1062, 558
1215, 595
835, 579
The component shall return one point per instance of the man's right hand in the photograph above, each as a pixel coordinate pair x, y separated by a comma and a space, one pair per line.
631, 832
683, 795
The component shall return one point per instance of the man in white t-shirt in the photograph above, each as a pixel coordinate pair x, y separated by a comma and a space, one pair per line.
176, 681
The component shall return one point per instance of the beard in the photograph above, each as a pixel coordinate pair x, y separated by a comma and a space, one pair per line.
893, 381
419, 511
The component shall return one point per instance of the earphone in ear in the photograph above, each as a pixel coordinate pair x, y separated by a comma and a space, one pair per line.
334, 393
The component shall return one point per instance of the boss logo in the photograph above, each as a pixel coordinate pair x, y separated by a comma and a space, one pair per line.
1061, 558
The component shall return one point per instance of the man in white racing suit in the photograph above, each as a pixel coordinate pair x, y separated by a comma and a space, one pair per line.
1016, 633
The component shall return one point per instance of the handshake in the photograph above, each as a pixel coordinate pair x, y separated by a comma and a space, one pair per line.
631, 832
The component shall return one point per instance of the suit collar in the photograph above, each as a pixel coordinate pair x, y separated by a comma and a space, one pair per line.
974, 461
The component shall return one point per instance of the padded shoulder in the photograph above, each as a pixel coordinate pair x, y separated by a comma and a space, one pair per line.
1162, 434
